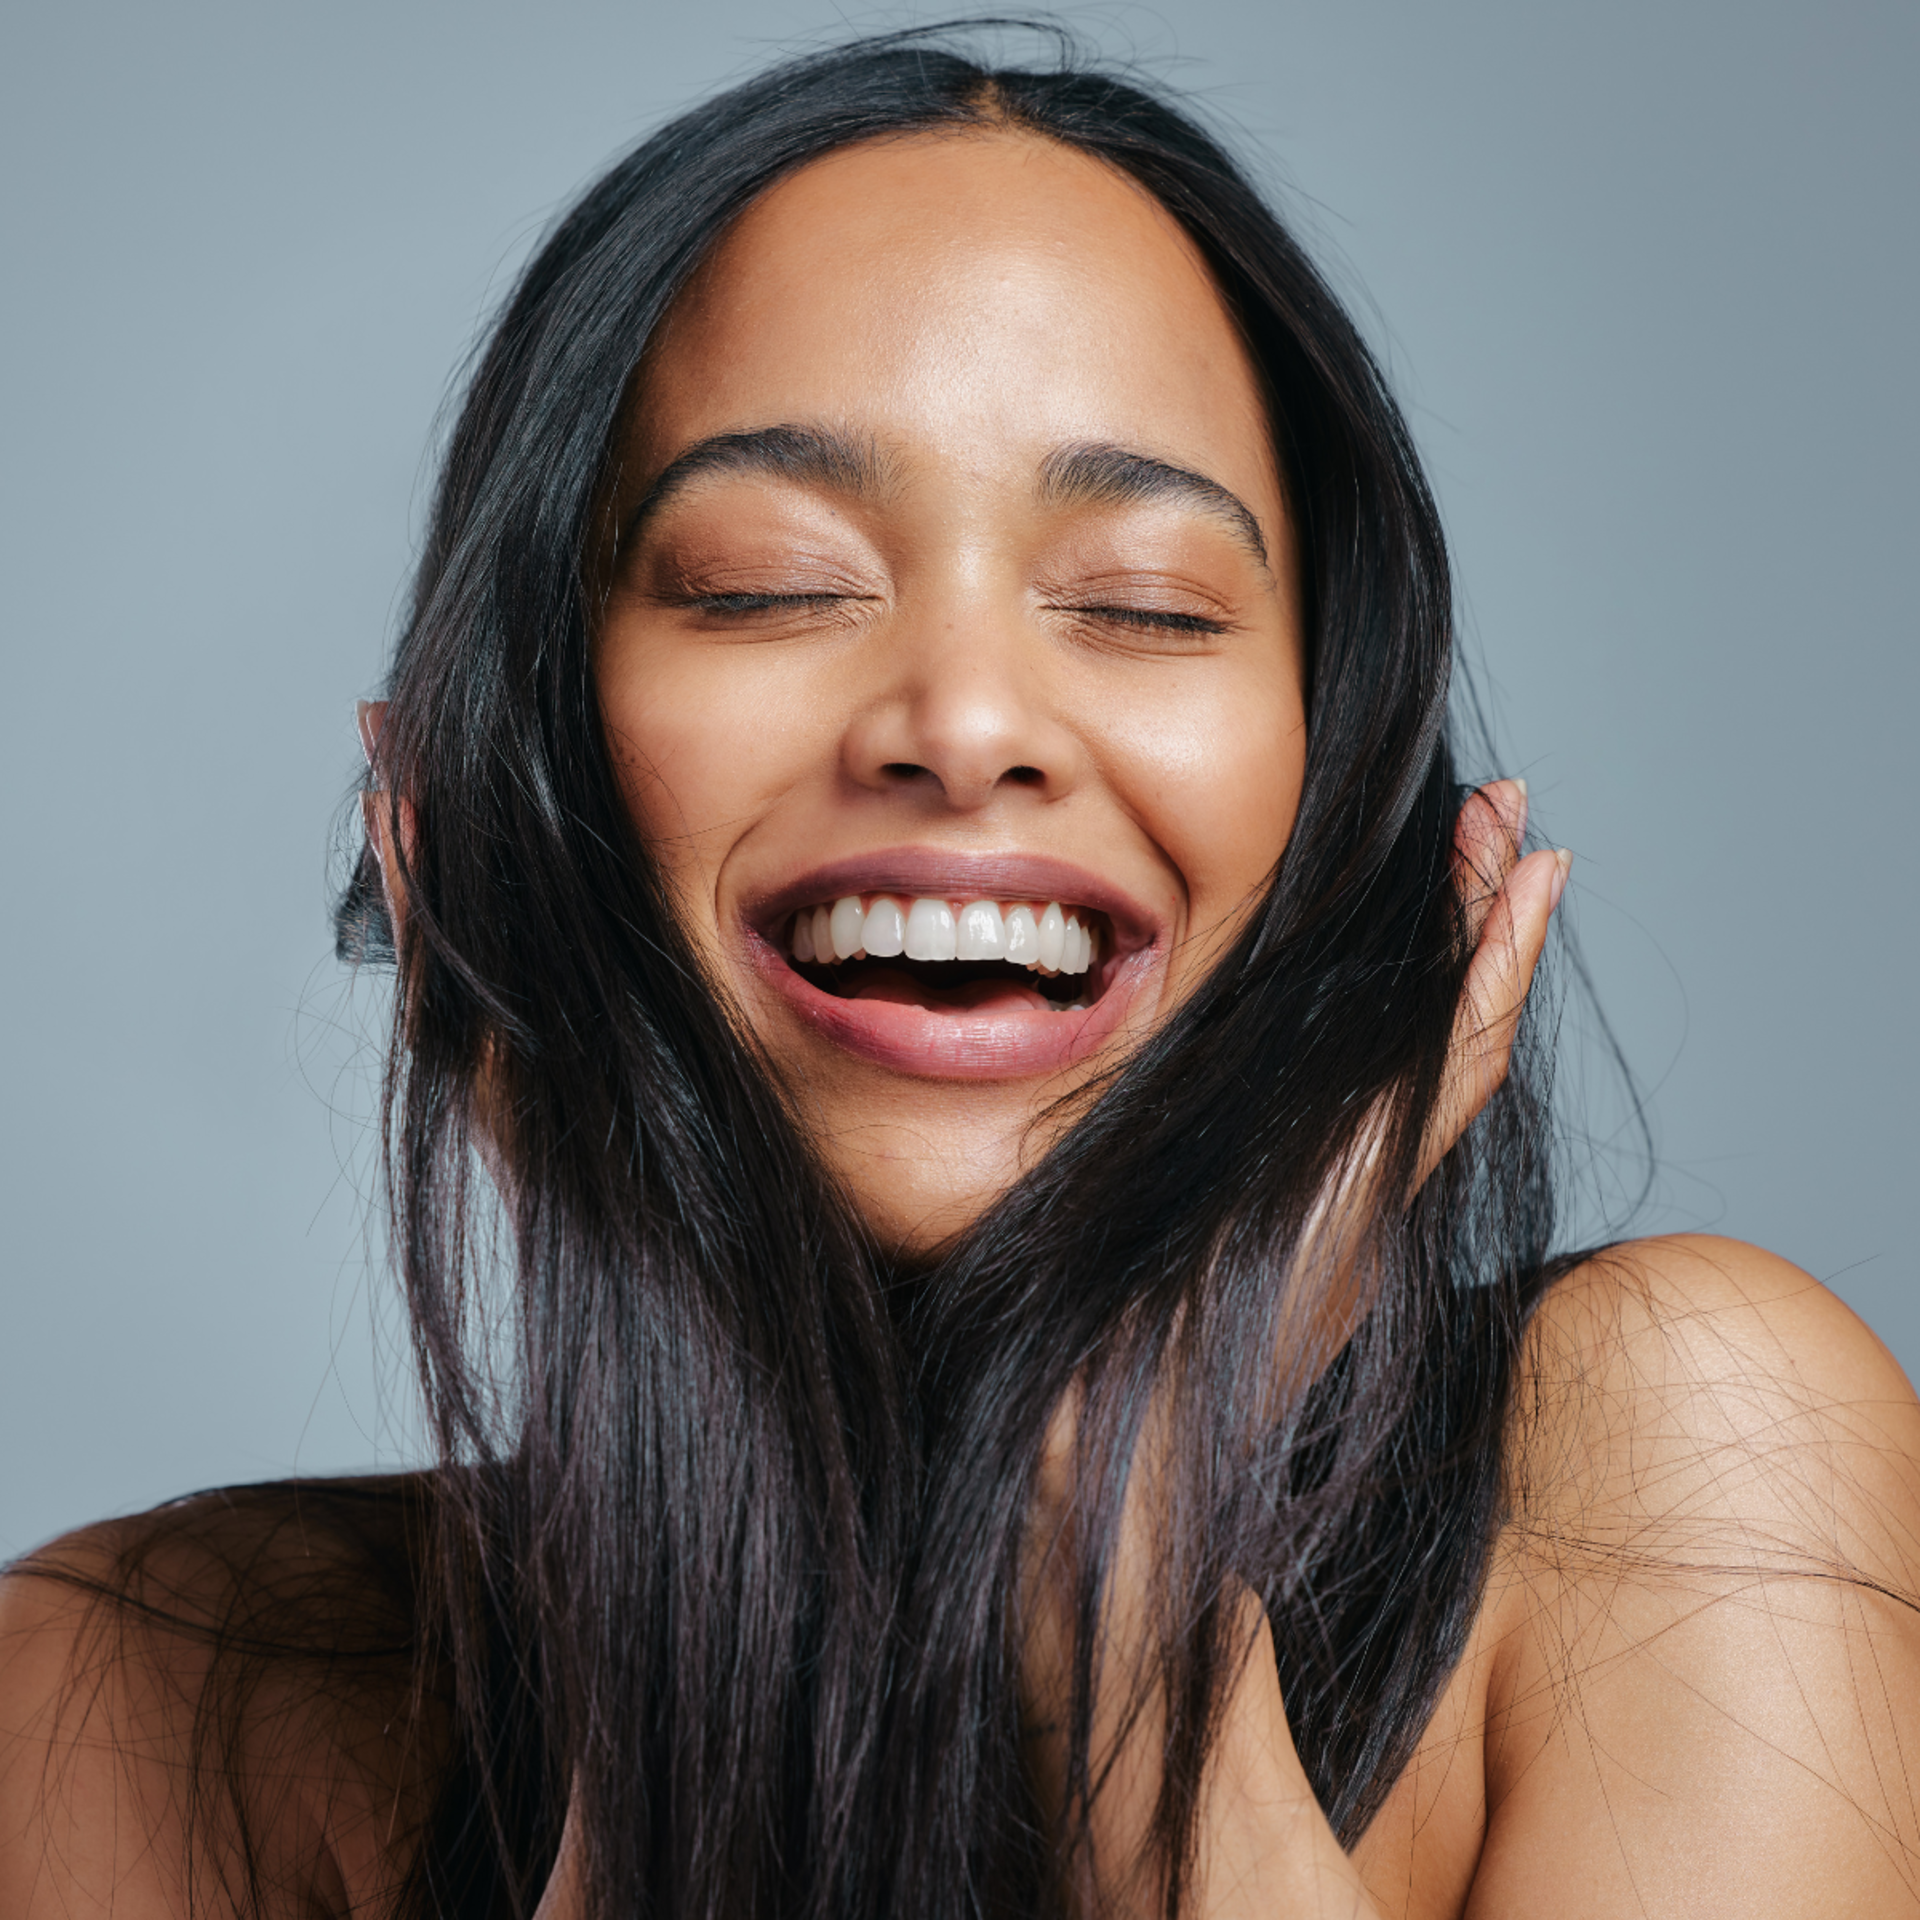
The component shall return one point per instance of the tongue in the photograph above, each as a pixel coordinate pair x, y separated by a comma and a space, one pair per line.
972, 996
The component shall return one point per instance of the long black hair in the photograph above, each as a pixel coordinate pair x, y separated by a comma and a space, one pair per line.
728, 1553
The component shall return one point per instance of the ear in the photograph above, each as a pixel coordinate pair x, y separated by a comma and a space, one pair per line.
369, 716
388, 818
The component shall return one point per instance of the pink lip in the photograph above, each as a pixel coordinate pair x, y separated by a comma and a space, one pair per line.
958, 1046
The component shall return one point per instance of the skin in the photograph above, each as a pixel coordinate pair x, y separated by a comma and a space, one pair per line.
942, 660
986, 680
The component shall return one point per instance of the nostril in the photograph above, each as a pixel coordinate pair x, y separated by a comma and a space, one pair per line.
903, 770
1024, 776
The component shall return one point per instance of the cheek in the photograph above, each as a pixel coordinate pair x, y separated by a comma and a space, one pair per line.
1216, 780
704, 741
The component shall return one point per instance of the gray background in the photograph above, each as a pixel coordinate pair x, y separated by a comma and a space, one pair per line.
1644, 273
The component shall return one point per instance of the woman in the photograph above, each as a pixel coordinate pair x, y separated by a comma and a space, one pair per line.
942, 961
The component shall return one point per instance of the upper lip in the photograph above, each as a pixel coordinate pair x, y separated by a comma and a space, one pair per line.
927, 872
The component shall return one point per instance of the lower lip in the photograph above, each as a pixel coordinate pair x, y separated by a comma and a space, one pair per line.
983, 1045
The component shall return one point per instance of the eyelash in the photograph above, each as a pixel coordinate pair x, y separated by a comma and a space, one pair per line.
1139, 617
759, 602
1148, 618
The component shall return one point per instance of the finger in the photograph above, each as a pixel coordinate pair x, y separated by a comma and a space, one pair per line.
1511, 939
1486, 844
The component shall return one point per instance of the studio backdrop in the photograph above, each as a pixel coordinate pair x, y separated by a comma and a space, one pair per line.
1644, 275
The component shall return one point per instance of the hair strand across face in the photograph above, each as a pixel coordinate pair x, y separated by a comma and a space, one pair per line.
736, 1559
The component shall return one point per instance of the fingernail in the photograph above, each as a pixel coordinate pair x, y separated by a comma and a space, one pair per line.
1520, 826
1562, 866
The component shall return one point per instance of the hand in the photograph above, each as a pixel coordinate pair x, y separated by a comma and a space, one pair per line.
565, 1897
1264, 1844
1508, 903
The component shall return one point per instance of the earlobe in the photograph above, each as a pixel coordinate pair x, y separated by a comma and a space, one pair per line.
379, 809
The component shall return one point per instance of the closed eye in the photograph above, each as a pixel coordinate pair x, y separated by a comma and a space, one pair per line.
1149, 619
764, 602
1142, 619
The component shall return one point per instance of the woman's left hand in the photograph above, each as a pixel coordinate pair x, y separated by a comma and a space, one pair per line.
1509, 902
1264, 1844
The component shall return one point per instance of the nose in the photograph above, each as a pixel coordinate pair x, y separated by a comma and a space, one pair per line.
963, 717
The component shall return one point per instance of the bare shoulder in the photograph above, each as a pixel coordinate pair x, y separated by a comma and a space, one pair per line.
169, 1717
1701, 1635
91, 1741
1700, 1297
1693, 1392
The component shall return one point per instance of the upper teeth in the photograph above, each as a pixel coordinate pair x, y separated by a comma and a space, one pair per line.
1031, 936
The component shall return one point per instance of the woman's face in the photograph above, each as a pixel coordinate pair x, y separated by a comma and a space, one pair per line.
955, 586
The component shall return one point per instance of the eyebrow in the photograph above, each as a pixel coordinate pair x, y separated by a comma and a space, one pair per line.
1094, 473
816, 456
1108, 475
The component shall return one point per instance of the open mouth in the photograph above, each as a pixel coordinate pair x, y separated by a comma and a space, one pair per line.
951, 956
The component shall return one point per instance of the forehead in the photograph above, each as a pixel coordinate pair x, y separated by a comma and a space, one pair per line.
986, 289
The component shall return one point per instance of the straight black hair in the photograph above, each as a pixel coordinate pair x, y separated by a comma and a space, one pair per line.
730, 1561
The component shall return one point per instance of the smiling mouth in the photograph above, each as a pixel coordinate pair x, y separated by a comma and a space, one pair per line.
951, 956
